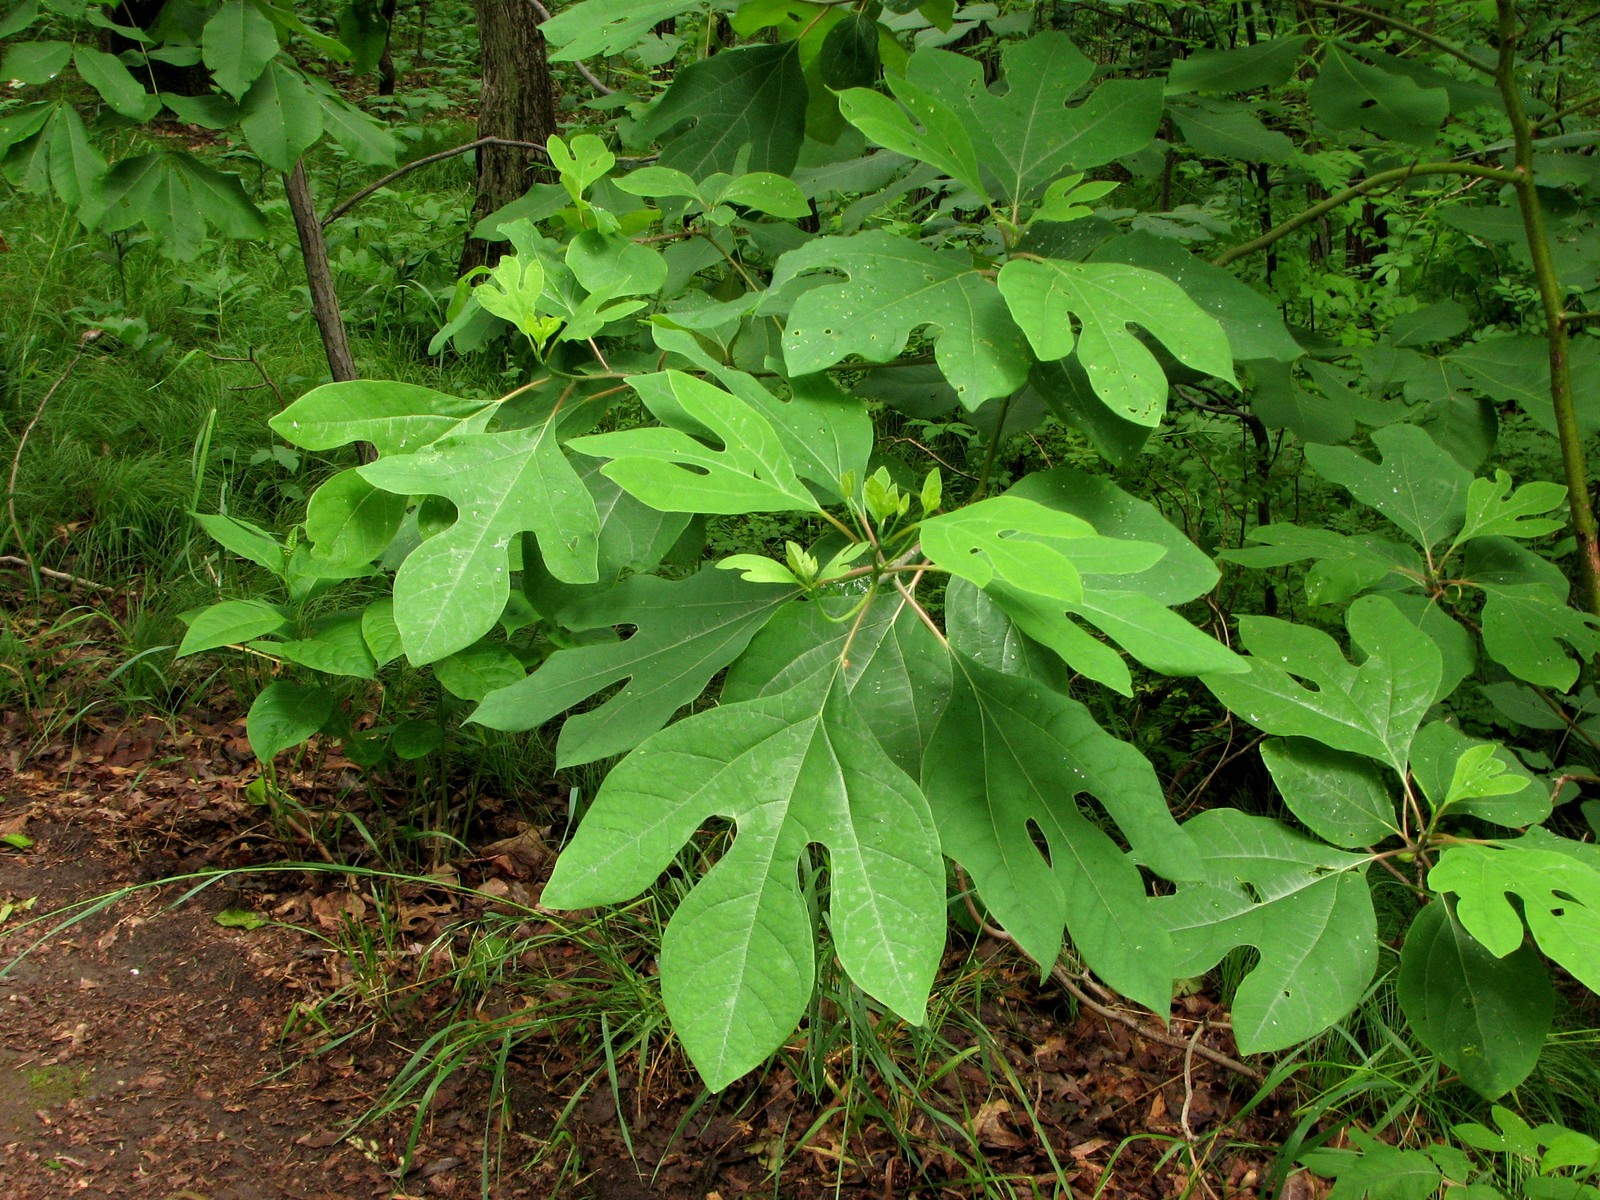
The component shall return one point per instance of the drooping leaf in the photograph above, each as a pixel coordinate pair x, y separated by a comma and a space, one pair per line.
231, 623
1372, 708
350, 521
335, 646
280, 116
237, 44
285, 714
1230, 129
1266, 63
737, 958
395, 417
849, 53
1009, 756
35, 62
1304, 906
451, 589
740, 110
1341, 797
1560, 899
246, 540
979, 628
1106, 298
668, 469
686, 631
895, 286
362, 137
1029, 134
1417, 485
901, 673
1253, 323
381, 633
1485, 1017
176, 196
1351, 94
1528, 626
115, 83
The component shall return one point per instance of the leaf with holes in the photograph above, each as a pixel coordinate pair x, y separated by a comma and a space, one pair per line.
738, 956
1009, 757
1106, 298
685, 632
1304, 906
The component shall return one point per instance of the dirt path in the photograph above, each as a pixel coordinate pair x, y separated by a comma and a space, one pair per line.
149, 1051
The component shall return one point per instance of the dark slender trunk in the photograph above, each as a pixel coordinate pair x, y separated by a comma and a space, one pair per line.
386, 76
517, 101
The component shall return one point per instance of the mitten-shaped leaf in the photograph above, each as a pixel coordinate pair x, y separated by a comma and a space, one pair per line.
451, 589
738, 957
1106, 299
1304, 906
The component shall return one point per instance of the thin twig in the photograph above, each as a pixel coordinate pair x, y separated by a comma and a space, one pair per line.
11, 560
344, 206
260, 370
22, 442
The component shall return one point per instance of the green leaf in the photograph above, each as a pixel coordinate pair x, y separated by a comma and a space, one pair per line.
280, 116
898, 671
1252, 322
240, 918
1372, 708
1230, 129
381, 633
1028, 546
176, 197
230, 623
284, 715
672, 471
604, 27
335, 647
740, 110
1106, 298
1269, 63
685, 632
896, 286
1029, 134
512, 292
1351, 94
35, 62
451, 589
237, 44
1485, 1017
116, 85
1009, 756
21, 15
478, 670
738, 956
1494, 511
1527, 622
1181, 574
76, 168
1304, 906
412, 740
1517, 369
1379, 1170
1282, 403
1476, 778
979, 628
942, 141
1560, 897
246, 540
395, 417
1342, 798
350, 521
364, 139
849, 54
1417, 485
1431, 324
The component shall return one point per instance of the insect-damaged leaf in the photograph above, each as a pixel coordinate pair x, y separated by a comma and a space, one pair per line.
738, 957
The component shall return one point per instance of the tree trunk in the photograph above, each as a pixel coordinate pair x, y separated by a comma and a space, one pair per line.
386, 75
517, 101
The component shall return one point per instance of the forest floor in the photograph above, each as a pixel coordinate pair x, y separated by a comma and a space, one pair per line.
150, 1051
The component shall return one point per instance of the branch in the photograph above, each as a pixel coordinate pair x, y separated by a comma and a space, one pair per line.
1422, 35
544, 15
345, 206
11, 560
1361, 188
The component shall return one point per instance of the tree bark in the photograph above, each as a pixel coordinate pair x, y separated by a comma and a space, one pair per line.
386, 75
517, 102
319, 276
